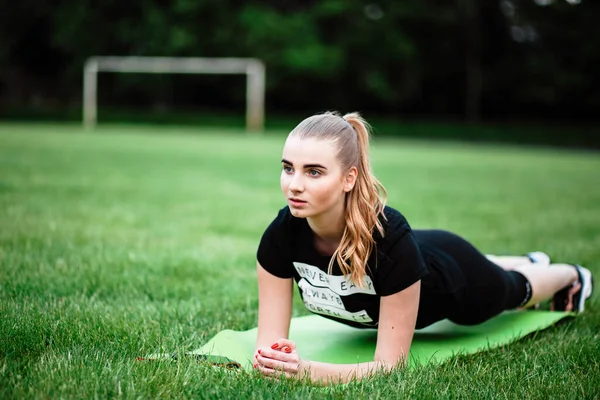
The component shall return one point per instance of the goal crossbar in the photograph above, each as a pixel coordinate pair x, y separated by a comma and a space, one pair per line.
252, 67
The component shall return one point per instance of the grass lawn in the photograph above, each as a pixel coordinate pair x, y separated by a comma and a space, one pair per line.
135, 240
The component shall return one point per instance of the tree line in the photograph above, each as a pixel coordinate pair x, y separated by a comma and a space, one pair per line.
465, 59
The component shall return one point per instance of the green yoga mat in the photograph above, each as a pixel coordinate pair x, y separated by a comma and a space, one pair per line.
320, 339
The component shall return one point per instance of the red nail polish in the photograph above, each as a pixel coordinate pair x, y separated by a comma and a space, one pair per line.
275, 346
258, 351
287, 349
255, 366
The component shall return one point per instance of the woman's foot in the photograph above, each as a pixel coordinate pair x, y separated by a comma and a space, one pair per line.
572, 298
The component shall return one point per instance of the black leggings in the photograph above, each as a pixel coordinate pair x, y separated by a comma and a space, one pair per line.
464, 286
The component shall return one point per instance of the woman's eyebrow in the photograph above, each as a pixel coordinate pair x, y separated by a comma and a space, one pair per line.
305, 165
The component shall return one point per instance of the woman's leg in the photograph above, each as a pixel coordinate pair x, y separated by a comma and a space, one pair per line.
509, 263
546, 281
490, 289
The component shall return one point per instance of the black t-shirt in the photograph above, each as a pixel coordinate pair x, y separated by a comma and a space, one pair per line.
287, 250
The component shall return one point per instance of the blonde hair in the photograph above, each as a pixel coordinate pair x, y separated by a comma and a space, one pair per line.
365, 202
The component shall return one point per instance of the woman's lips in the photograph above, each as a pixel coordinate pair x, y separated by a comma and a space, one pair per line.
297, 202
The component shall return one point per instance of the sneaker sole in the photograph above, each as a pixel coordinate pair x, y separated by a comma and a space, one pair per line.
587, 286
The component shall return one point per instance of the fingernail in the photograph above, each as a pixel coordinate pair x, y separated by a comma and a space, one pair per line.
275, 346
258, 351
255, 366
287, 349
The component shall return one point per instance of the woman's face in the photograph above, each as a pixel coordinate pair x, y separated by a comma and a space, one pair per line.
312, 179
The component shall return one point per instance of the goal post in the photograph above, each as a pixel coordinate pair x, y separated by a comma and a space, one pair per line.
252, 67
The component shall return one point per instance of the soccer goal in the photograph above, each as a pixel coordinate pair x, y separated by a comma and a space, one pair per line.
253, 68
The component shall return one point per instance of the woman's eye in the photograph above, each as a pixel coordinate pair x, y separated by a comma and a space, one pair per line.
314, 172
287, 168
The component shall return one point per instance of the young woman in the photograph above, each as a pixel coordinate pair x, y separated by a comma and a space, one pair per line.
357, 261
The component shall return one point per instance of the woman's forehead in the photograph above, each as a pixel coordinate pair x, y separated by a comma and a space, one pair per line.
309, 151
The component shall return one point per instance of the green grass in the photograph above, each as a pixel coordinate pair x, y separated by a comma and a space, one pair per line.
135, 240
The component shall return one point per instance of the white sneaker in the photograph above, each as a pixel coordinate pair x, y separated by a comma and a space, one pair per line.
585, 282
539, 258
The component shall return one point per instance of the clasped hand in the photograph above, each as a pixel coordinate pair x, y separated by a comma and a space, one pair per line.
281, 358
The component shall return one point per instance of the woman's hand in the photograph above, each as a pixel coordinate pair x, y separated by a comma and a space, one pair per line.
281, 358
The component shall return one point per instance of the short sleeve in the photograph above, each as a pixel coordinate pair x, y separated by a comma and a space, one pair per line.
273, 255
402, 265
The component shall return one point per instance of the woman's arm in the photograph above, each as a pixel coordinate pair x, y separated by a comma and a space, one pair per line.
274, 307
397, 320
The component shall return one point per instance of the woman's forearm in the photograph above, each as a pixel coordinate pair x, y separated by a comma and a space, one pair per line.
321, 372
283, 358
273, 316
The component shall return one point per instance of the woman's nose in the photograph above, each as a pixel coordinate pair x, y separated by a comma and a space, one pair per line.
296, 183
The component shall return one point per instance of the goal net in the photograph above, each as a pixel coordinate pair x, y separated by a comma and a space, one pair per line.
253, 68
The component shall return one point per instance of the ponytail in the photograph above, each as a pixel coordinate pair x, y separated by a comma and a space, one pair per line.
364, 203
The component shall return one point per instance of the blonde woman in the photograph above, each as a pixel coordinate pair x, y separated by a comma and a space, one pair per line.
357, 261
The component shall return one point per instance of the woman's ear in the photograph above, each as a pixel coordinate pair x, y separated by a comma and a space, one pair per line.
350, 179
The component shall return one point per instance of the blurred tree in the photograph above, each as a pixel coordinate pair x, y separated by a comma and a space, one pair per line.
29, 62
428, 57
554, 57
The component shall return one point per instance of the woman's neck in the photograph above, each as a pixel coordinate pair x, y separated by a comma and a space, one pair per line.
328, 228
